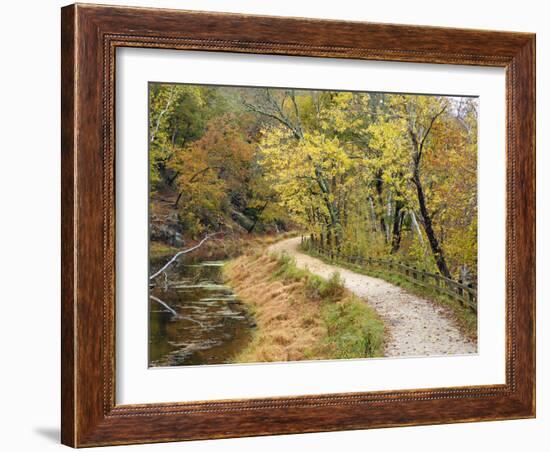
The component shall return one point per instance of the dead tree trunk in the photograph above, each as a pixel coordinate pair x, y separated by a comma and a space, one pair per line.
178, 254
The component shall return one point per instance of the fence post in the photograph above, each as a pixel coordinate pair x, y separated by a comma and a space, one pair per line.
465, 294
471, 298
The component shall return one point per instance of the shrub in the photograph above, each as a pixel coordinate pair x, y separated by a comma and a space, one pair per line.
333, 287
287, 270
322, 289
354, 329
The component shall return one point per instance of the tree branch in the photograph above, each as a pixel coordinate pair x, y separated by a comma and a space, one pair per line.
276, 112
202, 171
162, 113
159, 301
430, 128
180, 253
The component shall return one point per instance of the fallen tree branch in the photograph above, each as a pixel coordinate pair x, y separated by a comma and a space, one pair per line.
178, 254
158, 300
194, 321
174, 313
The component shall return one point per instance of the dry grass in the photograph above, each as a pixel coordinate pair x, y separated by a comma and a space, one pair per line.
279, 310
299, 316
227, 246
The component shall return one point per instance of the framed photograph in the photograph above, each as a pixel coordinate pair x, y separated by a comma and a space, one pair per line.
280, 225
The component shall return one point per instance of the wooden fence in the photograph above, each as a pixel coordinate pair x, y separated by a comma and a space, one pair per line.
466, 294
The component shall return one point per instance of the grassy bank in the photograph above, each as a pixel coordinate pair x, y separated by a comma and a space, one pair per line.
299, 315
227, 246
465, 318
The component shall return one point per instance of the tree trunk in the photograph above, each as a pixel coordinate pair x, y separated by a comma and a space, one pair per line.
428, 228
416, 227
335, 227
396, 230
251, 228
178, 199
383, 225
418, 147
173, 178
372, 215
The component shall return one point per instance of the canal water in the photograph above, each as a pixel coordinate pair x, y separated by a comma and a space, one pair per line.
194, 318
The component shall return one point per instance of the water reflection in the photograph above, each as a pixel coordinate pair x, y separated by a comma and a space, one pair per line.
194, 318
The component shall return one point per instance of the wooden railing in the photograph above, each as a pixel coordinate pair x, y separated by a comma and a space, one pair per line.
466, 294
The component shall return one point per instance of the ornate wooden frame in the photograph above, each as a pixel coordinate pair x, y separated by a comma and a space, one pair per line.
90, 35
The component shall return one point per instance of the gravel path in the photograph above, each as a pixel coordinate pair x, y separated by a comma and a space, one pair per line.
414, 326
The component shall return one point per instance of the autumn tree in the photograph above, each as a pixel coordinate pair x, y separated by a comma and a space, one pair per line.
211, 170
178, 115
362, 173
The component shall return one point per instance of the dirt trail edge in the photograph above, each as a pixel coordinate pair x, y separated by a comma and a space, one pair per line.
414, 326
